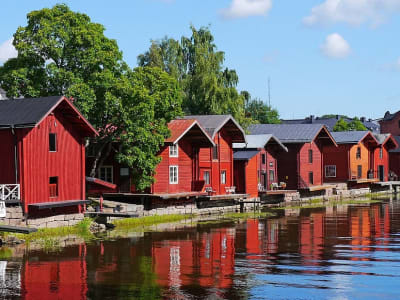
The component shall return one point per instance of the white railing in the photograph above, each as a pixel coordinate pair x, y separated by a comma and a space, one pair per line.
9, 192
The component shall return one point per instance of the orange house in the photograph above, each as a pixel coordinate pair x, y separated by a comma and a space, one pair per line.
353, 159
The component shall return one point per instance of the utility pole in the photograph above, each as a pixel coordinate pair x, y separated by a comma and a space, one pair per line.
269, 92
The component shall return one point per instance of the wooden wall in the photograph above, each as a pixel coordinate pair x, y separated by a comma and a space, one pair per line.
7, 167
364, 161
288, 167
315, 166
339, 157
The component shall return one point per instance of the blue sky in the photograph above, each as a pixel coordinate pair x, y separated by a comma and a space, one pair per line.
323, 56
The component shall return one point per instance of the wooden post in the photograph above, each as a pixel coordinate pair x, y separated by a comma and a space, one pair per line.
101, 203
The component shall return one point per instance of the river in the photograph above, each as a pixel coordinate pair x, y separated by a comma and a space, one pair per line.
340, 252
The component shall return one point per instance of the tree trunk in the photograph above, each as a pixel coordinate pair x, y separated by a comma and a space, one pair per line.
96, 160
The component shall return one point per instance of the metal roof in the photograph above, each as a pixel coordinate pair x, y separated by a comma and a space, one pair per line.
179, 128
381, 137
27, 111
244, 154
258, 142
288, 133
397, 139
349, 137
213, 123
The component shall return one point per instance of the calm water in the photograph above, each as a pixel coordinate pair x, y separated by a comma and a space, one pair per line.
345, 252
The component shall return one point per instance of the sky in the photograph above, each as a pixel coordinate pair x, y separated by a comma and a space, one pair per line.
322, 56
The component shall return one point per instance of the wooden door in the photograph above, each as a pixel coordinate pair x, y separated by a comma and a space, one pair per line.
124, 180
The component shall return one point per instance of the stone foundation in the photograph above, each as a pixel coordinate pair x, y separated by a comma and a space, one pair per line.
14, 216
55, 221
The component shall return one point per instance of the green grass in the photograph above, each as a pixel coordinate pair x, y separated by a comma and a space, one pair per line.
329, 203
5, 253
149, 221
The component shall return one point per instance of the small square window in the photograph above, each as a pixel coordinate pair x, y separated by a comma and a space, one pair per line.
173, 174
53, 187
173, 150
330, 171
106, 174
223, 177
52, 142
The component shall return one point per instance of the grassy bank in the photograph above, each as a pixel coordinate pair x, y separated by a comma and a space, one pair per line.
149, 221
315, 204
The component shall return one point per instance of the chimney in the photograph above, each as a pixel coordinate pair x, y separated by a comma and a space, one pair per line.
337, 117
312, 118
362, 119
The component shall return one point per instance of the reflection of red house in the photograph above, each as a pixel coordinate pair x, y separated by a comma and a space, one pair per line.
64, 279
43, 149
216, 164
255, 164
253, 243
312, 236
301, 167
178, 171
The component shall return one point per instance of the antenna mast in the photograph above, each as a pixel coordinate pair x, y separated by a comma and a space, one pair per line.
269, 92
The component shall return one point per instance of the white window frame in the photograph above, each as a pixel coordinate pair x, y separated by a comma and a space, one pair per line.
174, 150
223, 177
107, 168
171, 178
326, 169
204, 177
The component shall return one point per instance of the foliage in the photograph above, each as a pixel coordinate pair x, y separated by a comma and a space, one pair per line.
257, 110
209, 87
61, 52
332, 116
354, 125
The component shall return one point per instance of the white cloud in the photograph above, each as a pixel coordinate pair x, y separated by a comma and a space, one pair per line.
246, 8
353, 12
335, 46
7, 51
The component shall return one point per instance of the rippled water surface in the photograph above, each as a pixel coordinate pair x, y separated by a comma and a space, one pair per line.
342, 252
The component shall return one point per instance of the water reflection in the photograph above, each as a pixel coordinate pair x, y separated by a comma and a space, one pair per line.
341, 252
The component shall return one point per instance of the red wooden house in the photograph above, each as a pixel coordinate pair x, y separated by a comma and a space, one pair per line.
391, 124
381, 162
255, 163
300, 167
42, 152
216, 164
178, 172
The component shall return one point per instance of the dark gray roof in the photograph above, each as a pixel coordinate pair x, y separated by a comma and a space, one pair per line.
331, 122
288, 133
213, 123
388, 116
381, 137
397, 150
349, 137
25, 112
258, 142
244, 154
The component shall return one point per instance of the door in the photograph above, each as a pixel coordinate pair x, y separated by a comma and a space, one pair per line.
381, 172
124, 180
359, 171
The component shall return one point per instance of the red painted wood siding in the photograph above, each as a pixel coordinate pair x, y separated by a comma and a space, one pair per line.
240, 175
252, 177
306, 167
272, 164
339, 157
384, 161
394, 162
288, 167
38, 164
7, 169
391, 126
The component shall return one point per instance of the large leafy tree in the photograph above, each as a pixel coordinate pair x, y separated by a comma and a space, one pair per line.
261, 112
209, 87
354, 125
61, 52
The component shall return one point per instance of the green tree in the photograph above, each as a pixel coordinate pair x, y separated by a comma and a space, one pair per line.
257, 110
341, 125
61, 52
209, 87
357, 125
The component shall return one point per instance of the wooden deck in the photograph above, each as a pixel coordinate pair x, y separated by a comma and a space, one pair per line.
45, 205
224, 197
17, 229
322, 187
279, 192
94, 214
187, 195
364, 180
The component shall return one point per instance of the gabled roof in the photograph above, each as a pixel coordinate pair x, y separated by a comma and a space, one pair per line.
397, 139
29, 112
214, 123
259, 141
180, 127
386, 139
244, 154
352, 137
291, 133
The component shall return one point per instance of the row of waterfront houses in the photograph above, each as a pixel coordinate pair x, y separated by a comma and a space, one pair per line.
43, 159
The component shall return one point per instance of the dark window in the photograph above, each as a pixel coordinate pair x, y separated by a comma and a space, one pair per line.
263, 159
359, 171
358, 154
53, 186
52, 142
310, 156
215, 152
311, 177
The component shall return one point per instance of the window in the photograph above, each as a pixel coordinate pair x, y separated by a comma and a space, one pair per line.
173, 150
311, 178
215, 152
173, 174
106, 173
53, 187
330, 171
52, 142
206, 177
358, 154
271, 175
380, 152
263, 159
359, 171
91, 150
223, 177
271, 164
310, 156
